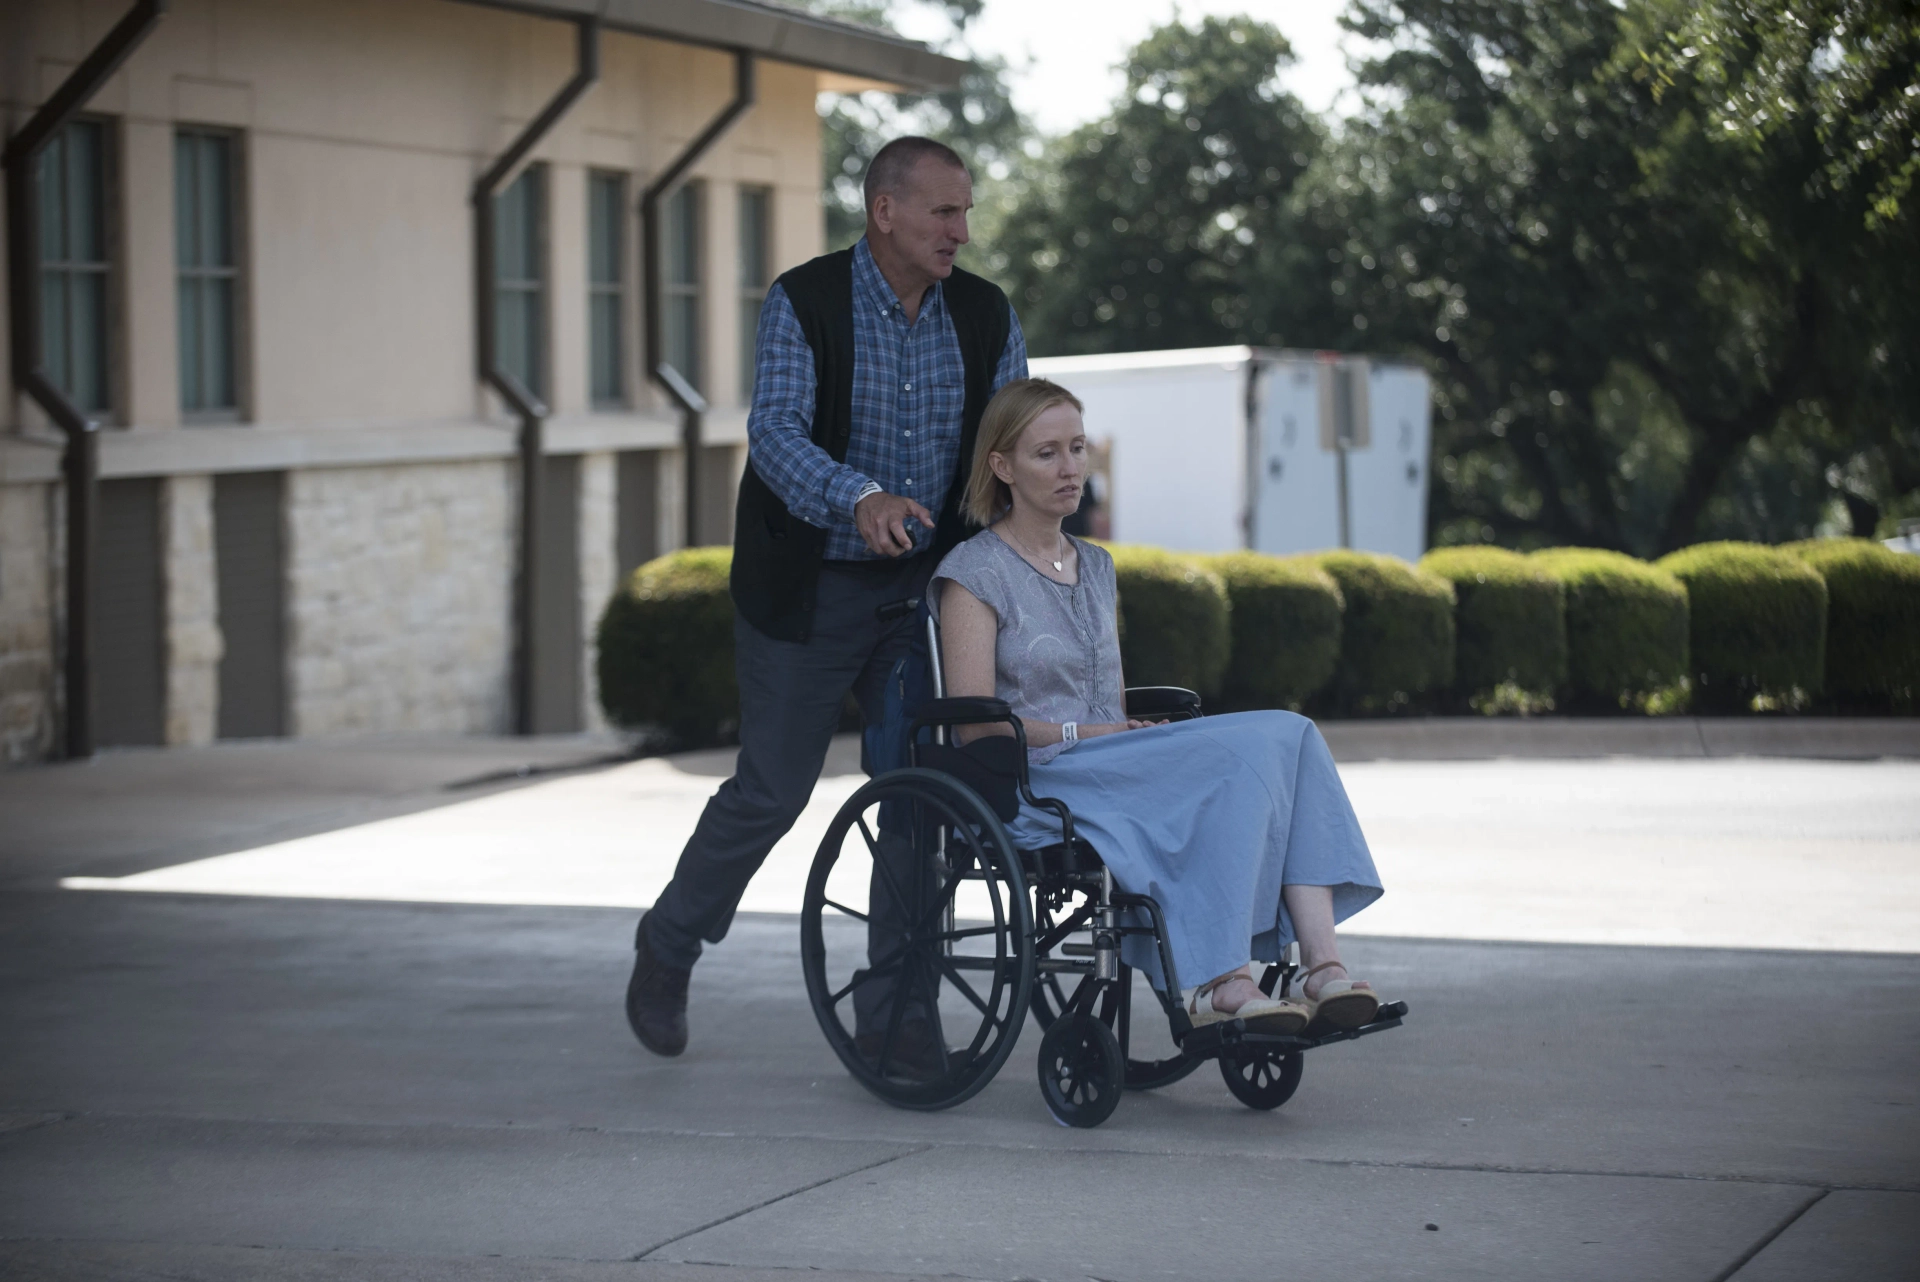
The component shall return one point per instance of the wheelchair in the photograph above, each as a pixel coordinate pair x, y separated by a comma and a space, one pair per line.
920, 907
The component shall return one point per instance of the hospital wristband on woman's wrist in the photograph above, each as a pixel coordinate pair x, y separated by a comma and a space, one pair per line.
1070, 733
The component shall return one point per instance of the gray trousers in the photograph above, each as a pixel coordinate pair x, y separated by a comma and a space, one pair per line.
790, 699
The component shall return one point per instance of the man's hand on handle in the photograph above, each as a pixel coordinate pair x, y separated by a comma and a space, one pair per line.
882, 519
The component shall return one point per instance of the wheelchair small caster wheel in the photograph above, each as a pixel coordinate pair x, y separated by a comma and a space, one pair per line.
1082, 1072
1262, 1076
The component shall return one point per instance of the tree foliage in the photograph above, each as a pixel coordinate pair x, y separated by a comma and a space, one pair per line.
1645, 328
1760, 68
976, 118
1661, 257
1152, 227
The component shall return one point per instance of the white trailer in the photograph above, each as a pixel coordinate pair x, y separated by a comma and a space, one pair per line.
1217, 448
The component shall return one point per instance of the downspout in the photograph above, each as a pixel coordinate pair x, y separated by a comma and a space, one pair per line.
80, 461
692, 404
530, 409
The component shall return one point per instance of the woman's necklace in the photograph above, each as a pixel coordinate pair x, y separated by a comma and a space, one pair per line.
1059, 567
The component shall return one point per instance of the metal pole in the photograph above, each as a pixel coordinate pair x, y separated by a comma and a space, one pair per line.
674, 382
80, 461
530, 445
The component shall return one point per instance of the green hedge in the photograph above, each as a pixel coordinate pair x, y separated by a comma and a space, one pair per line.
1396, 637
1285, 622
666, 648
1757, 622
1873, 621
1510, 617
1173, 619
1626, 626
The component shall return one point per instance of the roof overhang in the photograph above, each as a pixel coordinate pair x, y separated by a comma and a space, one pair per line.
853, 55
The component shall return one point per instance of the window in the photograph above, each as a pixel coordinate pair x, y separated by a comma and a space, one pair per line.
73, 262
203, 189
681, 336
606, 298
519, 287
756, 274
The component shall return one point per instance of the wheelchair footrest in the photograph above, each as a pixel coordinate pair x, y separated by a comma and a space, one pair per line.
1212, 1039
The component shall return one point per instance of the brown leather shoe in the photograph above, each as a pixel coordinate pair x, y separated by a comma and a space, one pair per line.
916, 1055
657, 999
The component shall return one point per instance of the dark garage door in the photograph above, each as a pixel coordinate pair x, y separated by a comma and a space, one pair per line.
556, 647
716, 495
129, 672
637, 510
249, 557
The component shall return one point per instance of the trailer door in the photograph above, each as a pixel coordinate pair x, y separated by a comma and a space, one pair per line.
1296, 498
1387, 481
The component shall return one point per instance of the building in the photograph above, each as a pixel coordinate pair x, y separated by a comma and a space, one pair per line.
254, 259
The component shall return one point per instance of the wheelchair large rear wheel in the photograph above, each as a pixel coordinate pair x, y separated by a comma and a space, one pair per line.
916, 939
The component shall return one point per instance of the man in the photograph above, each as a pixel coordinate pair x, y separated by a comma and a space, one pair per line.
873, 366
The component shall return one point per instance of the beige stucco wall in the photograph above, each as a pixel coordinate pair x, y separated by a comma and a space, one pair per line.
362, 125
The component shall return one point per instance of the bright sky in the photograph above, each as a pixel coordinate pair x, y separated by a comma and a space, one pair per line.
1063, 52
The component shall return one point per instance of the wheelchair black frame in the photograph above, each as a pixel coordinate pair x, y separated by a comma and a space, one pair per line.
1101, 972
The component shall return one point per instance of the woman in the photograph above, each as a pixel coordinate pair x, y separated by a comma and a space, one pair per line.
1237, 825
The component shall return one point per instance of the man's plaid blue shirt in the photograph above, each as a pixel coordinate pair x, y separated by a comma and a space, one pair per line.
909, 387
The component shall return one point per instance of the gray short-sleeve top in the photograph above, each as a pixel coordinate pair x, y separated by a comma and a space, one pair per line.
1057, 653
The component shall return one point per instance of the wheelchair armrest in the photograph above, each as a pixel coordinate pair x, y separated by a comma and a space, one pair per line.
962, 711
1163, 701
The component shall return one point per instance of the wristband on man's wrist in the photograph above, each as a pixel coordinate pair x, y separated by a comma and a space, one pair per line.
871, 487
1070, 733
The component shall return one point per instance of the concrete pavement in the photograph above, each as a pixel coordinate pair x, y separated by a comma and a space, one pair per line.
321, 1085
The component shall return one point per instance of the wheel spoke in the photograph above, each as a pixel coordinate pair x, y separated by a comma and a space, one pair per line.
886, 873
899, 1010
857, 916
953, 975
861, 978
967, 933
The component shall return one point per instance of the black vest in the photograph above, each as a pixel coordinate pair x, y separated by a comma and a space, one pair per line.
776, 556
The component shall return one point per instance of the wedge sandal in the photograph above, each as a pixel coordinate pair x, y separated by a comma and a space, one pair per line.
1341, 1002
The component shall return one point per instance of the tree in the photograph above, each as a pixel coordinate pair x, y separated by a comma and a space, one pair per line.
1833, 88
1560, 241
1761, 68
1164, 225
1645, 327
977, 118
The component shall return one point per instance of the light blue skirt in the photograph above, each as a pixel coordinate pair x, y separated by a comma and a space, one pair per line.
1211, 818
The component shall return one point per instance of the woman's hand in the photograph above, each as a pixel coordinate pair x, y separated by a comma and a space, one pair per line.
1115, 727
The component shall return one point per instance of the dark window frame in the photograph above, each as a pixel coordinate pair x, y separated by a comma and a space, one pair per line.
203, 278
607, 293
756, 277
532, 184
683, 301
58, 274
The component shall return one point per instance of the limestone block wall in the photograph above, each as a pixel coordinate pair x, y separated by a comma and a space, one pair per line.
28, 564
399, 595
192, 609
599, 569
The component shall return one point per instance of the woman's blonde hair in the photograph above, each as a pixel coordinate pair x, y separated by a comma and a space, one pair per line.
1012, 408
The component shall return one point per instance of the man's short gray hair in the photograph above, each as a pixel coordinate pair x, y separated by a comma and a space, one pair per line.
892, 164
